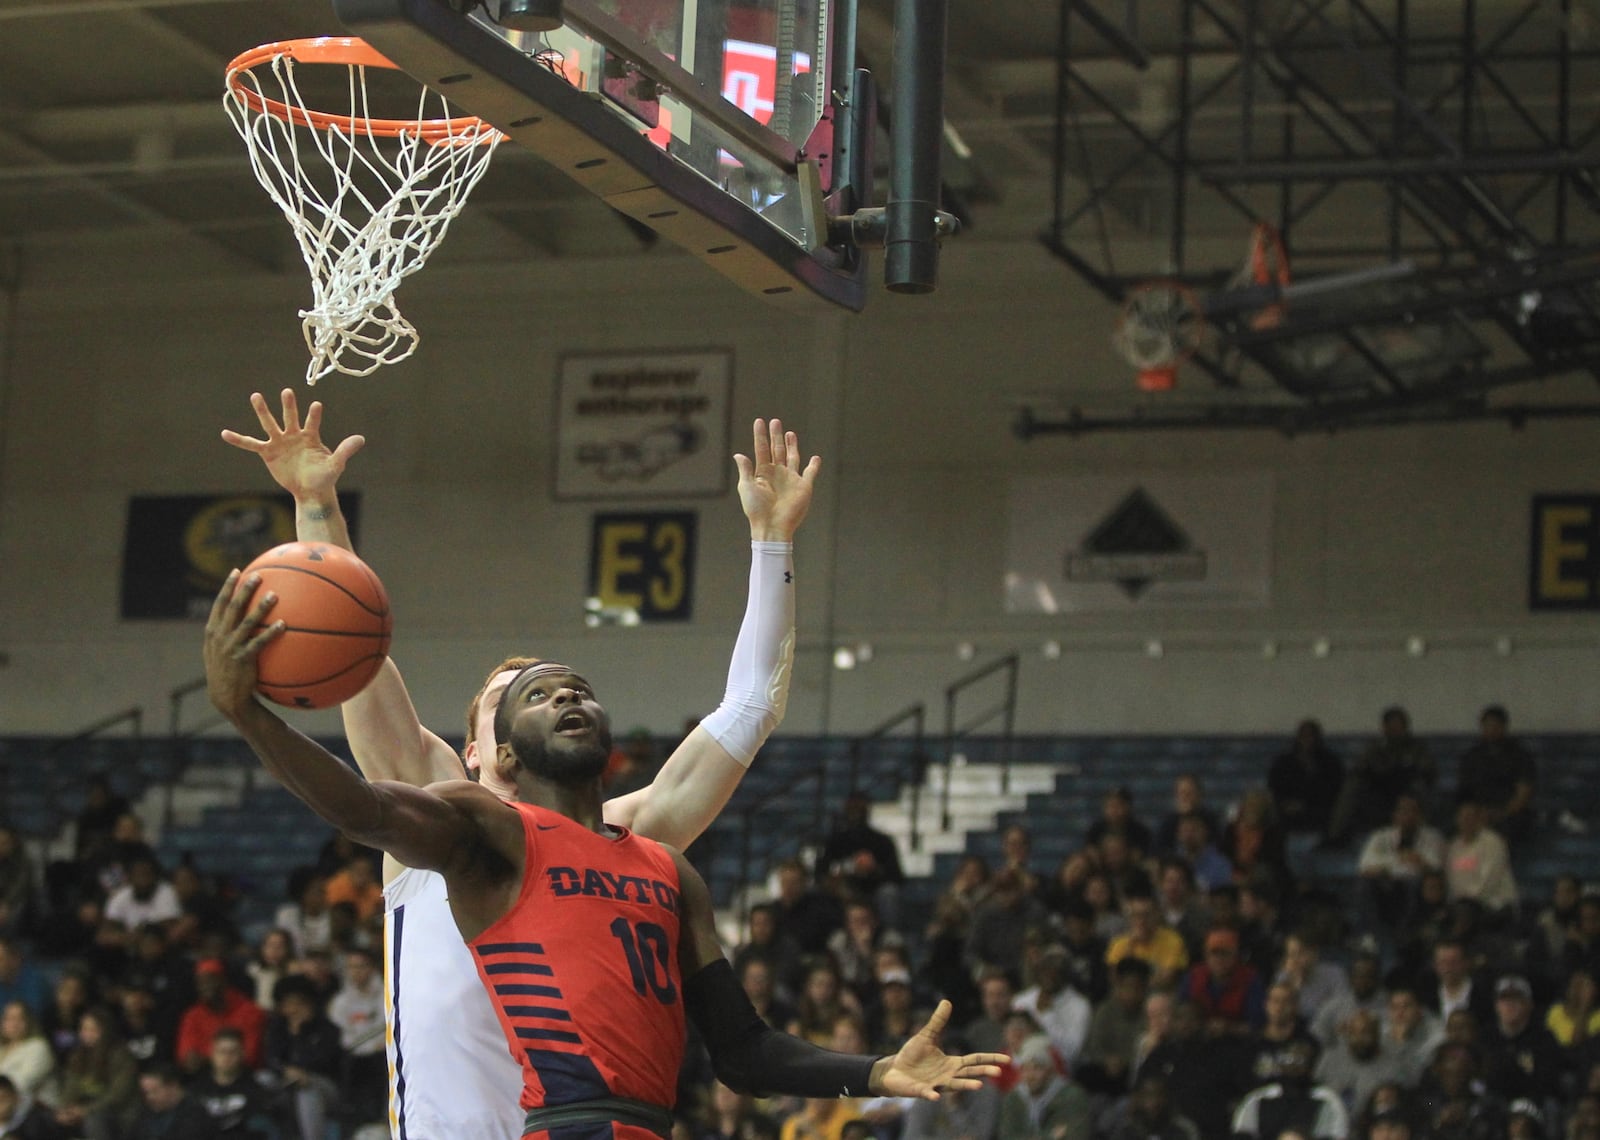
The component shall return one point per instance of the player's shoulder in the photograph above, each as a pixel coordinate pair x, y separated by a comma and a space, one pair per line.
466, 794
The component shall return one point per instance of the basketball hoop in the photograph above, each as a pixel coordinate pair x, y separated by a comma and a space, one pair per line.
1267, 264
368, 197
1161, 325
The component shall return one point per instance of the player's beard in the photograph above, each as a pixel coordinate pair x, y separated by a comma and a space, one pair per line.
563, 760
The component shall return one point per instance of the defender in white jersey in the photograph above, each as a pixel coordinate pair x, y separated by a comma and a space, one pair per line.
450, 1071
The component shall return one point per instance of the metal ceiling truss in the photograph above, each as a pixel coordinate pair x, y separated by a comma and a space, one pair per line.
1473, 149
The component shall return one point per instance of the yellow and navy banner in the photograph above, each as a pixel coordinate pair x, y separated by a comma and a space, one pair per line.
179, 548
1564, 553
641, 567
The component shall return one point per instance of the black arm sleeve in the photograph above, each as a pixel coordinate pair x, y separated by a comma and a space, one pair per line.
749, 1056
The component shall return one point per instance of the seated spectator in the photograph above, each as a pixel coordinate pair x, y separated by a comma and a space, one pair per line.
1396, 762
1282, 1029
820, 1120
756, 979
1227, 993
1365, 993
944, 964
1455, 1102
1316, 981
1253, 840
1210, 867
357, 883
805, 914
19, 980
1558, 922
1394, 859
26, 1059
732, 1115
822, 1000
145, 1036
853, 948
1478, 863
1305, 780
1105, 1064
23, 1118
145, 899
956, 1114
1182, 906
1410, 1033
984, 1032
236, 1103
157, 967
1066, 885
204, 911
863, 859
893, 1018
300, 1056
1149, 1115
306, 916
1499, 773
97, 819
1117, 818
270, 963
1016, 856
1427, 924
60, 1019
1044, 1105
1202, 1073
1150, 939
1061, 1011
1575, 1019
166, 1111
1122, 865
1085, 951
72, 930
1001, 925
1583, 943
769, 942
1356, 1063
1100, 893
1187, 797
1583, 1122
357, 1011
1521, 1058
1261, 927
17, 901
1389, 1123
107, 869
99, 1080
1292, 1103
217, 1005
1020, 1026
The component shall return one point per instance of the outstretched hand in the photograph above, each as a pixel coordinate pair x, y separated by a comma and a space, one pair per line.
921, 1069
294, 453
773, 489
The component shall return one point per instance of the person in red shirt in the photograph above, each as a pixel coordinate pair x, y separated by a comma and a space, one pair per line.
219, 1006
1228, 992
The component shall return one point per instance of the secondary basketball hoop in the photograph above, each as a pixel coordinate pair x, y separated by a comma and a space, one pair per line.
1161, 325
368, 197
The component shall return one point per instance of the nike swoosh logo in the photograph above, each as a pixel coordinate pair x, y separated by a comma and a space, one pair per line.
547, 826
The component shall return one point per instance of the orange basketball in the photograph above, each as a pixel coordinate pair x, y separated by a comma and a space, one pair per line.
337, 622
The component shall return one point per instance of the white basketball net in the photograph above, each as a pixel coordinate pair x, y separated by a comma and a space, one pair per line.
367, 208
1159, 326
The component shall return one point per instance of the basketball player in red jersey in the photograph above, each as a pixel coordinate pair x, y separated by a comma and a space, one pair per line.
594, 943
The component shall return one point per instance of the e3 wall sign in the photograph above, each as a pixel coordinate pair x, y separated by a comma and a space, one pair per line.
1564, 567
641, 567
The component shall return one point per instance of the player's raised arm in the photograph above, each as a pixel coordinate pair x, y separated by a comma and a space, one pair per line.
701, 774
421, 827
385, 733
750, 1056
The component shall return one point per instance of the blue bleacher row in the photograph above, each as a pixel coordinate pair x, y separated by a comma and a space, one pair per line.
777, 811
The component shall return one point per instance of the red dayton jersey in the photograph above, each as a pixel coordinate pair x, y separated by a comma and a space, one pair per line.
583, 970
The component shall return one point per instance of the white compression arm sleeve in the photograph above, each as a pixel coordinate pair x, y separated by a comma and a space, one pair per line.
758, 677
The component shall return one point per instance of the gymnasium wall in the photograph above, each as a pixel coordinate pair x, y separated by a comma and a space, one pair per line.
120, 370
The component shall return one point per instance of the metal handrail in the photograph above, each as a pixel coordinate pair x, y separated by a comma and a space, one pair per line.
917, 715
133, 716
1006, 710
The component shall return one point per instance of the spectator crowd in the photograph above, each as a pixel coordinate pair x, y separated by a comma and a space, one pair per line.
1186, 977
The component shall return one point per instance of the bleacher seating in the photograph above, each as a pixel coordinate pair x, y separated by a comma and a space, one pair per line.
785, 803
